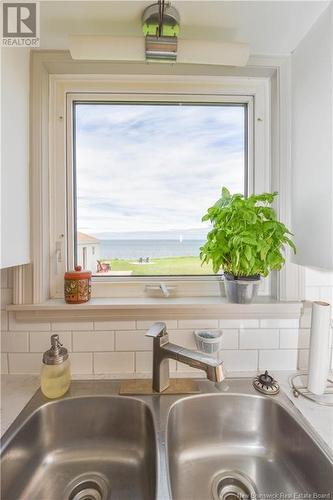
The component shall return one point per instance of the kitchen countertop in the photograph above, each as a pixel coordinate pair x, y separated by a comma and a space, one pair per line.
17, 390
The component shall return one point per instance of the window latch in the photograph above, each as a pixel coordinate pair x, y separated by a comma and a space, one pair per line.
58, 254
59, 251
160, 289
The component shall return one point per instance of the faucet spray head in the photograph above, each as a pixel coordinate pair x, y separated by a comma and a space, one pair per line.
216, 373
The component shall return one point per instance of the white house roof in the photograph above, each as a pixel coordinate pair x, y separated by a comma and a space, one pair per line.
86, 238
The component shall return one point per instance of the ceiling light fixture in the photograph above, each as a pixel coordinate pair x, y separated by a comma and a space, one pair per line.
161, 27
160, 24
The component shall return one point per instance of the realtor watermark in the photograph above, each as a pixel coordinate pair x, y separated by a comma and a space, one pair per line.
20, 24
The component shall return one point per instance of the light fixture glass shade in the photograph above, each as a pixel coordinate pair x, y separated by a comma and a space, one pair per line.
107, 48
111, 48
211, 52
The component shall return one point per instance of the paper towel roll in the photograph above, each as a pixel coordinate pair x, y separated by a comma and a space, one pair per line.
319, 354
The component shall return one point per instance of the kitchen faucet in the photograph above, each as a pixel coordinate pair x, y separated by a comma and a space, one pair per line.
163, 350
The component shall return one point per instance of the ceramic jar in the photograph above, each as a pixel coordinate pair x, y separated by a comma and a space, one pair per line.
77, 286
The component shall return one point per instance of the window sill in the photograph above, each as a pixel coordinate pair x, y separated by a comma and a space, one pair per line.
155, 308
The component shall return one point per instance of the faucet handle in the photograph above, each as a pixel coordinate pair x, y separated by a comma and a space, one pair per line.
157, 330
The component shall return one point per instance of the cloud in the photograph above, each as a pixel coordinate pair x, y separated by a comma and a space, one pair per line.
153, 167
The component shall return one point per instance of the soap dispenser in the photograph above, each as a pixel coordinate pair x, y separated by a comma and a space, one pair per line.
55, 374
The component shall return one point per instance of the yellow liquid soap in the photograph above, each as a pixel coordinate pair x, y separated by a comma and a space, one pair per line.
55, 379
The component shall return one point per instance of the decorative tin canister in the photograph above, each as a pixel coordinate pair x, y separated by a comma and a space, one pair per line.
77, 286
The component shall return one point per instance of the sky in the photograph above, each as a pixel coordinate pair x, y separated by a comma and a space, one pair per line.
154, 167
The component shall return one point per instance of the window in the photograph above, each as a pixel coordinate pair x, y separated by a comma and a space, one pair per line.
145, 174
58, 82
91, 196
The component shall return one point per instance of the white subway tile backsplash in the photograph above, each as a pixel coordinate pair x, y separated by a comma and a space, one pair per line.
4, 363
114, 325
14, 342
256, 345
239, 323
25, 362
93, 341
41, 341
185, 338
289, 338
259, 339
28, 326
144, 362
145, 325
240, 360
230, 339
113, 362
59, 326
81, 363
133, 341
279, 323
197, 323
278, 359
120, 348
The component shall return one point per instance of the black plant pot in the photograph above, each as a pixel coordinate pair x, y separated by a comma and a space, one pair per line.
241, 289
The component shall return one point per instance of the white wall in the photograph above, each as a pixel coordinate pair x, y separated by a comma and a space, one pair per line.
14, 156
312, 129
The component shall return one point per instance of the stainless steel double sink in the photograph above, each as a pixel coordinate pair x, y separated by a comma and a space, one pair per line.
228, 442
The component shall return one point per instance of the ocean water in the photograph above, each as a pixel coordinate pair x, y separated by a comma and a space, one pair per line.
134, 249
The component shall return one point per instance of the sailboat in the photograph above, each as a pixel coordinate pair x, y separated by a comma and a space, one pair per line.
180, 238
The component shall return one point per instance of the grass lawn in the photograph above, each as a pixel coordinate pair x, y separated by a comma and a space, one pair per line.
161, 266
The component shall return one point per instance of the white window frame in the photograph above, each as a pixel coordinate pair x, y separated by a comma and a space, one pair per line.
32, 282
66, 89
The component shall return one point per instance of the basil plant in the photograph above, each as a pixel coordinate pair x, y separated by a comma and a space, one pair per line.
246, 239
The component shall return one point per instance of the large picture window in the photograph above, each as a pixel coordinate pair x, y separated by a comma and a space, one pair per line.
144, 175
